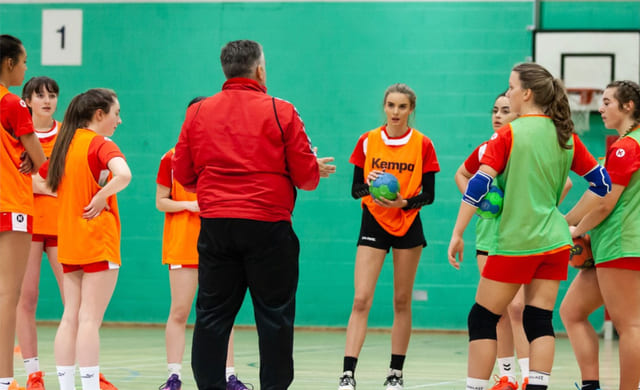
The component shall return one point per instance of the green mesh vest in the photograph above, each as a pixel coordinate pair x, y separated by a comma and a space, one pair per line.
619, 234
533, 180
485, 233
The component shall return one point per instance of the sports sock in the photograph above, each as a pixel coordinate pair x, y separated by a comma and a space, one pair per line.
538, 380
31, 365
524, 367
591, 385
477, 384
397, 361
66, 377
5, 383
507, 366
174, 368
349, 364
230, 371
90, 377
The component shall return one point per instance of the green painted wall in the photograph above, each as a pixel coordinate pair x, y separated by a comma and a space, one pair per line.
333, 60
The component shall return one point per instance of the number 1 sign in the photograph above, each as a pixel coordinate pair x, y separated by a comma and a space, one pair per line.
61, 37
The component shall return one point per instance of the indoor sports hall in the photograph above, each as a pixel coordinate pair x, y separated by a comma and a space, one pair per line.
333, 60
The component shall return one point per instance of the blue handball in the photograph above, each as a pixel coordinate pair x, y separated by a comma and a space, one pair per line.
385, 186
491, 206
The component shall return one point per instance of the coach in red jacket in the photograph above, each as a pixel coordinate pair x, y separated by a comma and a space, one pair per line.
245, 152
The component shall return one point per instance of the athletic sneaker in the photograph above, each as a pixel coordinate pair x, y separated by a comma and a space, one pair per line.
235, 384
14, 386
347, 382
35, 381
394, 382
504, 384
105, 384
525, 382
173, 383
575, 383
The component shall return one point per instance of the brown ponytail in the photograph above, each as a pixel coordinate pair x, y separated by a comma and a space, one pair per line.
549, 94
79, 114
628, 91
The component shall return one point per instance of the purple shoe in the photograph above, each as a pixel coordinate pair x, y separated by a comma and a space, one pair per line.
235, 384
173, 383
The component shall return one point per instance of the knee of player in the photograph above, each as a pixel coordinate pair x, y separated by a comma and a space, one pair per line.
402, 303
362, 304
482, 323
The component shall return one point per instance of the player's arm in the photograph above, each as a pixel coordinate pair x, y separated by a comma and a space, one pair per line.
565, 190
359, 188
462, 177
34, 150
594, 209
120, 180
39, 186
427, 195
165, 204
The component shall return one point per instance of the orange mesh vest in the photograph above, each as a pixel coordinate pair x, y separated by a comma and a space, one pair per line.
405, 163
45, 220
16, 193
181, 230
85, 241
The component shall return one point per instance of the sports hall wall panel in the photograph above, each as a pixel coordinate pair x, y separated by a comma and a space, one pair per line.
334, 61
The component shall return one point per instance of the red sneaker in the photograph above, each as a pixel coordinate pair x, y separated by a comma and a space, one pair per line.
504, 384
105, 384
35, 381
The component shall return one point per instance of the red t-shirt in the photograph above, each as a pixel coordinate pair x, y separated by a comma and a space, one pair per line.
499, 149
165, 175
472, 163
429, 159
623, 159
15, 116
101, 151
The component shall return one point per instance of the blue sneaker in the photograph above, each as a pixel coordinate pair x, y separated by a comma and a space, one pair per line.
235, 384
173, 383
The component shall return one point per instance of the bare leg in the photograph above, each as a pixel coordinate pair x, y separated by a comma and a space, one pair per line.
65, 342
405, 265
97, 289
26, 313
582, 299
515, 309
620, 290
183, 282
368, 265
14, 251
56, 268
230, 350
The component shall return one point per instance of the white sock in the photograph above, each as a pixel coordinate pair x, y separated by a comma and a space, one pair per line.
477, 384
230, 371
31, 365
5, 383
174, 368
507, 367
395, 372
524, 367
66, 377
539, 378
90, 377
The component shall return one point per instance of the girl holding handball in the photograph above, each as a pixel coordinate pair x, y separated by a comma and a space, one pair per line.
86, 170
41, 95
409, 155
510, 332
530, 158
20, 154
615, 240
180, 253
